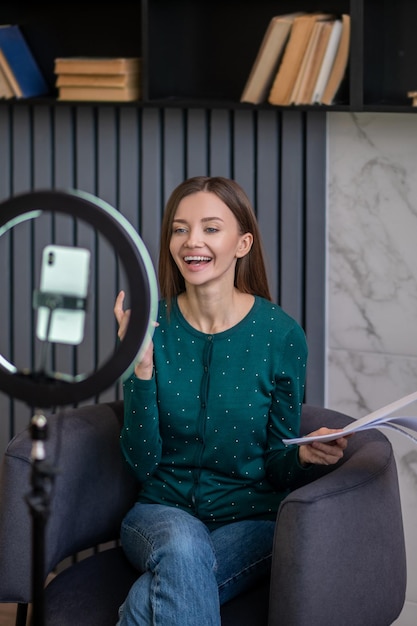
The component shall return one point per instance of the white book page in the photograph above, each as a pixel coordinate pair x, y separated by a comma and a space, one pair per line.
379, 418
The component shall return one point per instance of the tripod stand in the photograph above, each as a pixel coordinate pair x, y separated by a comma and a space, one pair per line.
39, 503
43, 473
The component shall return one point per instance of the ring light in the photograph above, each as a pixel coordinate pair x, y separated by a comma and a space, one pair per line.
140, 277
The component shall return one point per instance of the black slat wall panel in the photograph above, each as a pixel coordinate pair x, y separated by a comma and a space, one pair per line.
314, 253
292, 218
85, 164
132, 158
219, 142
267, 185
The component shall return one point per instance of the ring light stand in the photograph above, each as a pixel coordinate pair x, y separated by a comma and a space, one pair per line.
40, 390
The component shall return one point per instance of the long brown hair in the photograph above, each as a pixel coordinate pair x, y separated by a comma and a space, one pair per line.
250, 273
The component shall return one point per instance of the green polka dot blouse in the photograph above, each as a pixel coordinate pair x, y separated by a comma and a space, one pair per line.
205, 433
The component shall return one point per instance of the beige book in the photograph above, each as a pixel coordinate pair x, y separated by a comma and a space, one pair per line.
10, 77
306, 62
305, 93
98, 80
268, 58
99, 94
413, 95
283, 84
6, 90
96, 65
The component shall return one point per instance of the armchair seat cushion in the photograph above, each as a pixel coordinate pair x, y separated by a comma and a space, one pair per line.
92, 589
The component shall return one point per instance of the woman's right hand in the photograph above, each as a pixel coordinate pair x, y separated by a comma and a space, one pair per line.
144, 367
121, 315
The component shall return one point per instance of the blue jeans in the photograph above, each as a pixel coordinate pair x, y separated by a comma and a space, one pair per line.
188, 571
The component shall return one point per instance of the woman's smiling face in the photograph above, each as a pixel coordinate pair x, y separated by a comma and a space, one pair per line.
205, 239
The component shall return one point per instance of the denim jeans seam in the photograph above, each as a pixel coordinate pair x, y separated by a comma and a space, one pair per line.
237, 575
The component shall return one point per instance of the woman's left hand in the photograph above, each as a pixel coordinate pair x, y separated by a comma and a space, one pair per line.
323, 453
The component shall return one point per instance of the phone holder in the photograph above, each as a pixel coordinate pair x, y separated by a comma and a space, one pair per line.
54, 301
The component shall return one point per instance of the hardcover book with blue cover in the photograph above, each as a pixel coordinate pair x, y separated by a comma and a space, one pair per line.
22, 62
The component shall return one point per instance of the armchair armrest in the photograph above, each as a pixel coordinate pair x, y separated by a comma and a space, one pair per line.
339, 549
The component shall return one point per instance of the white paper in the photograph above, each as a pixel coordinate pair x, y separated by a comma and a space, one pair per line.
380, 418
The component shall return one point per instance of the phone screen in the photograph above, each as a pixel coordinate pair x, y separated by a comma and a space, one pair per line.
64, 271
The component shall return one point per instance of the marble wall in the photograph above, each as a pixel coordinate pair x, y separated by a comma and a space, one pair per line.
372, 285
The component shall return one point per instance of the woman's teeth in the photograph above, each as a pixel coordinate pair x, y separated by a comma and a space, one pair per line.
197, 259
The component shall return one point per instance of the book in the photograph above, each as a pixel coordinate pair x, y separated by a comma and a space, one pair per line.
413, 95
380, 418
21, 62
98, 80
100, 94
286, 76
320, 38
8, 85
340, 63
312, 42
268, 58
327, 62
96, 65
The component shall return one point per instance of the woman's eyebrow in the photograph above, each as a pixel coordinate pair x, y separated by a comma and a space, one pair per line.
204, 219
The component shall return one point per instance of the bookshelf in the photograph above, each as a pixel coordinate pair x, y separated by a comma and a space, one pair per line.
200, 53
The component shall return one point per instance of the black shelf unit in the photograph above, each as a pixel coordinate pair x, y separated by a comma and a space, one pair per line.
198, 53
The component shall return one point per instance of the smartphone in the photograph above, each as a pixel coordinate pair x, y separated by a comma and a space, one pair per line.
65, 271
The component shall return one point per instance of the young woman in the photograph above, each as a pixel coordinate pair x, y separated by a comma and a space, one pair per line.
216, 391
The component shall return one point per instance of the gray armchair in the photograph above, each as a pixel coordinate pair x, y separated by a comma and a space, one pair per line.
339, 553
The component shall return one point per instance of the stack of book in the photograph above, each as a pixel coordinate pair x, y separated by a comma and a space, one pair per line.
302, 60
20, 75
115, 79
